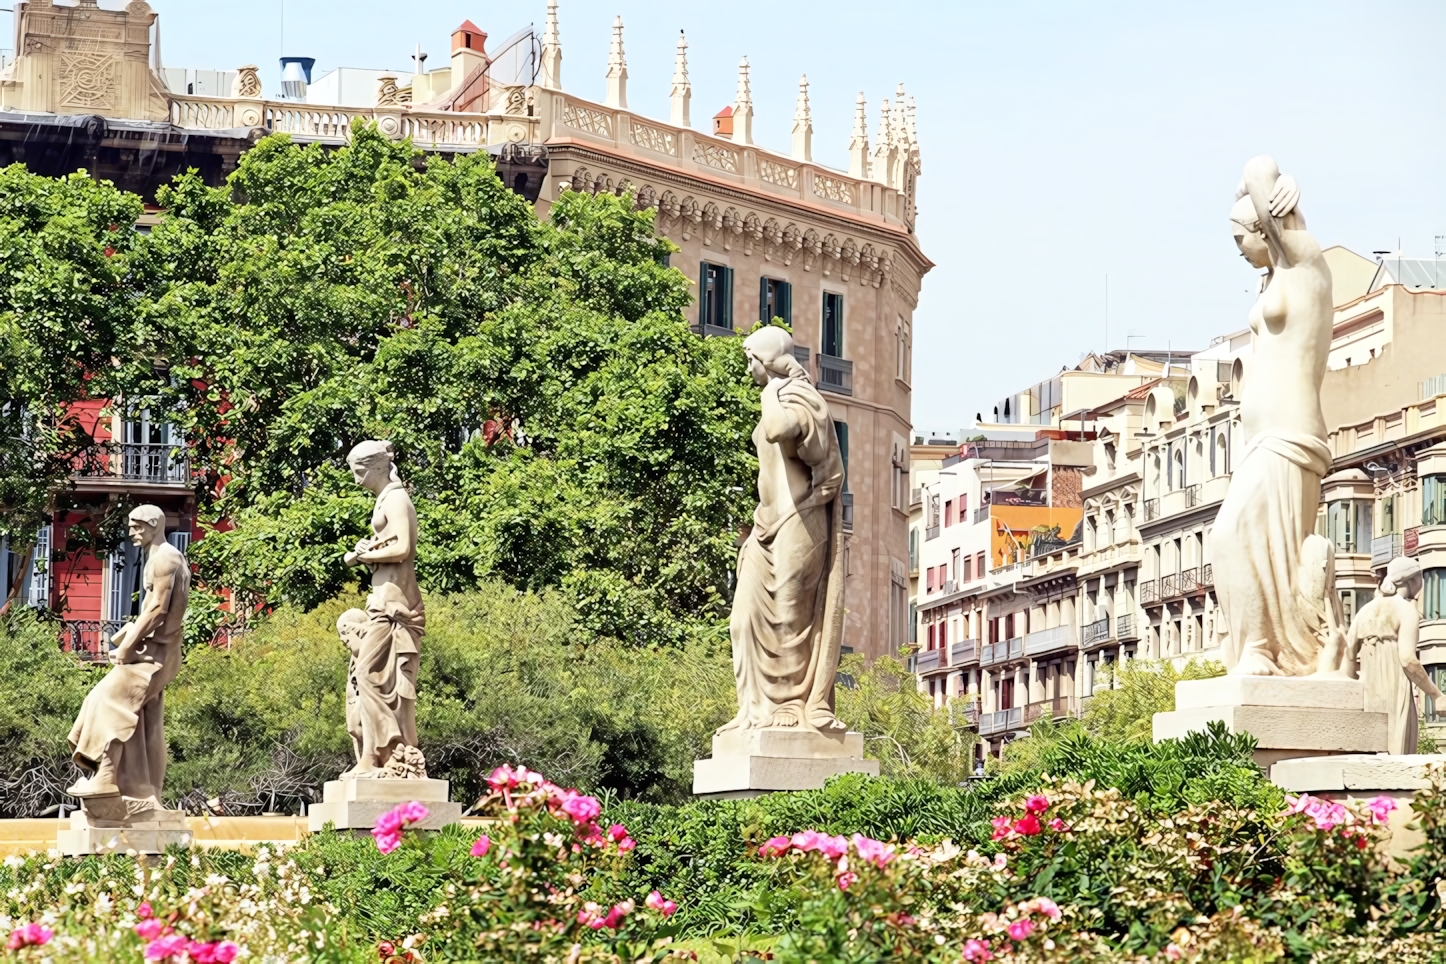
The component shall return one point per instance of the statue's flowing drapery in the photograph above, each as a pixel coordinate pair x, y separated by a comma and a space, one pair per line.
1257, 540
381, 698
127, 707
787, 616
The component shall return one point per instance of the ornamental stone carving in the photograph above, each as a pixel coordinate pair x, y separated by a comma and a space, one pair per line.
388, 94
247, 83
653, 138
587, 120
714, 156
88, 81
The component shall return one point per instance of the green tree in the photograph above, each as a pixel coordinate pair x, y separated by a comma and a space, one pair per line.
67, 319
901, 727
1127, 698
325, 297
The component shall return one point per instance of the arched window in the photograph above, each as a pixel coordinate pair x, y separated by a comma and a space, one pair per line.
1220, 463
1178, 481
1110, 536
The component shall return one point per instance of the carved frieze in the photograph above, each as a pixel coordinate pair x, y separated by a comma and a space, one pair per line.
88, 81
587, 120
653, 138
776, 173
833, 189
713, 155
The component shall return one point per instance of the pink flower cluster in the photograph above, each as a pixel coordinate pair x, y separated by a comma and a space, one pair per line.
1327, 815
389, 826
662, 905
836, 849
1030, 824
522, 786
1015, 930
30, 935
592, 915
164, 944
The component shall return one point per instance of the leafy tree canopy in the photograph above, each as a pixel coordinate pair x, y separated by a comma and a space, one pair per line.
559, 424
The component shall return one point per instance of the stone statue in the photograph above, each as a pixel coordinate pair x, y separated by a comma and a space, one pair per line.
381, 698
787, 621
1382, 642
1264, 568
119, 737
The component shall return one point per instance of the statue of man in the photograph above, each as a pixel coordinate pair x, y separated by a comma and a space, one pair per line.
119, 737
787, 621
384, 639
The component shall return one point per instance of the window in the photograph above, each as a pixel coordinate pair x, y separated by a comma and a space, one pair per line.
833, 325
913, 622
715, 310
932, 635
775, 300
1438, 676
841, 429
1390, 519
966, 574
948, 513
913, 550
1433, 595
1433, 500
955, 559
38, 594
979, 564
902, 346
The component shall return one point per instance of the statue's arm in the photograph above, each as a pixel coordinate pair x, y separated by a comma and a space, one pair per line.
154, 609
1406, 640
778, 420
1262, 177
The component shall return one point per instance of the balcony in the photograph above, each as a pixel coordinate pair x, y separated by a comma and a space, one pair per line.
981, 514
963, 652
970, 712
1097, 631
1125, 628
142, 463
1050, 640
89, 639
1207, 575
1057, 708
1189, 581
1192, 495
1001, 721
835, 375
925, 662
916, 496
1152, 510
848, 511
931, 532
1001, 652
1385, 548
1149, 592
717, 331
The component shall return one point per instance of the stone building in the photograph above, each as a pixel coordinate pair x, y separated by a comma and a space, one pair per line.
761, 233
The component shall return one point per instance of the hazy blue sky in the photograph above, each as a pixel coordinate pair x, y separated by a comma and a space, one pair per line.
1061, 141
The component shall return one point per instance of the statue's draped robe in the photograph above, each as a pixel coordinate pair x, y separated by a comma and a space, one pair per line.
788, 605
1377, 631
1257, 539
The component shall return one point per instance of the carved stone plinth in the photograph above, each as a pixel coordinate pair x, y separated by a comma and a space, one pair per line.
747, 763
150, 832
1289, 716
356, 804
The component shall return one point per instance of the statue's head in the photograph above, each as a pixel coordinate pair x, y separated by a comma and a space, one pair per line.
1245, 226
1403, 575
769, 351
147, 526
373, 464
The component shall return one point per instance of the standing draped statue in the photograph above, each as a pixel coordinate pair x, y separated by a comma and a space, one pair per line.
1382, 641
381, 696
1273, 576
787, 621
119, 737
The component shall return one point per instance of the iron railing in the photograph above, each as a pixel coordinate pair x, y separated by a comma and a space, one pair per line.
1097, 630
1149, 592
1001, 721
1189, 581
1207, 574
1049, 640
156, 463
835, 374
1170, 585
1125, 627
1152, 509
1192, 495
89, 639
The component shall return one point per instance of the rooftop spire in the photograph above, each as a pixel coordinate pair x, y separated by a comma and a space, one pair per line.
617, 70
802, 124
682, 95
743, 107
551, 50
859, 142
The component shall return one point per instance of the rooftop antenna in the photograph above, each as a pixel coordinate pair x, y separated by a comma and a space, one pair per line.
1107, 312
420, 59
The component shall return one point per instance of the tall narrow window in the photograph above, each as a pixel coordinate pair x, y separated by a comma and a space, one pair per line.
716, 307
38, 590
775, 300
833, 325
842, 429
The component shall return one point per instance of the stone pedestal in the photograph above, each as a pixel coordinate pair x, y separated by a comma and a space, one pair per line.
1363, 776
746, 763
356, 804
150, 832
1288, 716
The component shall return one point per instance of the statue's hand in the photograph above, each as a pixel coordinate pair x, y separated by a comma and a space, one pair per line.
1441, 704
1285, 196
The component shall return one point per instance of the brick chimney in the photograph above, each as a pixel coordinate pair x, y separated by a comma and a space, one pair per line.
467, 52
723, 123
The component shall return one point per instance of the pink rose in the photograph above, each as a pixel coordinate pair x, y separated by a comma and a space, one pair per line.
1381, 808
387, 842
1028, 825
29, 935
1058, 826
173, 945
412, 812
1037, 803
481, 846
661, 904
617, 913
875, 852
590, 916
1173, 952
582, 809
626, 844
807, 840
1047, 907
1001, 828
846, 878
617, 831
775, 846
976, 950
833, 847
148, 929
144, 910
1020, 929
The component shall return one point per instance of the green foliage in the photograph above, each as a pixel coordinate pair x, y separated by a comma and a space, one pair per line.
900, 726
1126, 700
329, 296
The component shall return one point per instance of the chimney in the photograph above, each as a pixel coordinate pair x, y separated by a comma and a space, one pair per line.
467, 52
723, 123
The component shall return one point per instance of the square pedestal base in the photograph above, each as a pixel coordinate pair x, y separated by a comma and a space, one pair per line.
747, 763
1364, 776
356, 804
147, 833
1288, 716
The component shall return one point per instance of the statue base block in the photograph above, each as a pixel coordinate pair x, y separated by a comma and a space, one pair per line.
150, 832
1288, 716
1364, 776
747, 763
356, 804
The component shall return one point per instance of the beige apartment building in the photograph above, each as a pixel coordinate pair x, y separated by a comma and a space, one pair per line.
762, 233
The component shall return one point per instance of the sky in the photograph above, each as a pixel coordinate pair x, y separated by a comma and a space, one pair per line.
1062, 143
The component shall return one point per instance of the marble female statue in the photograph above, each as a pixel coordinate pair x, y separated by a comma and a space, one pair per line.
787, 620
381, 699
1382, 643
1270, 509
119, 737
